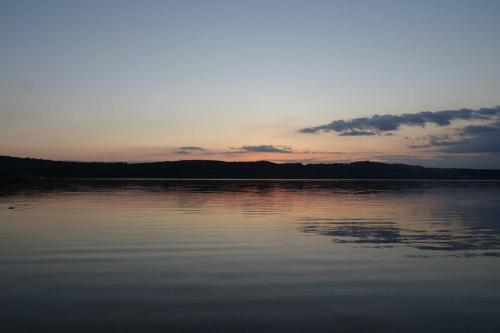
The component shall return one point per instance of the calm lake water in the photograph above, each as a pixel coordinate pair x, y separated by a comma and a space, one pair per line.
250, 256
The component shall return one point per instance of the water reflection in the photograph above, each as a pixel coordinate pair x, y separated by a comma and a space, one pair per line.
226, 256
452, 216
380, 234
458, 218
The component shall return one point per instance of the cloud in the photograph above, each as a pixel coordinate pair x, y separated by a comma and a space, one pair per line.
477, 139
189, 149
264, 149
246, 149
378, 124
469, 139
479, 129
353, 132
437, 141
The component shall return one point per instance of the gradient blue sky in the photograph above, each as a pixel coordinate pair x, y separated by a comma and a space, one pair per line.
139, 80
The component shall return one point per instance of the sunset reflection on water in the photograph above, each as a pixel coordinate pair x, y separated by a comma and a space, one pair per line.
247, 255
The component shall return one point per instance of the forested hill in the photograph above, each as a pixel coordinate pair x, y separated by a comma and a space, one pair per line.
13, 168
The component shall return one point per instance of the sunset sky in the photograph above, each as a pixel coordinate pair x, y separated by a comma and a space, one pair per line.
416, 82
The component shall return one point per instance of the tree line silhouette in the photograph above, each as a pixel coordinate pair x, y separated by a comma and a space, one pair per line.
14, 168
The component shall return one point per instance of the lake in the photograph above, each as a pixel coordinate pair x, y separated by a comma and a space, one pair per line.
250, 256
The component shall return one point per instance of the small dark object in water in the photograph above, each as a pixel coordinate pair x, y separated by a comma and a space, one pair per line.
11, 207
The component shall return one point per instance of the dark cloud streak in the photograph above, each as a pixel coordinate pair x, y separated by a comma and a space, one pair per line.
469, 139
189, 149
265, 149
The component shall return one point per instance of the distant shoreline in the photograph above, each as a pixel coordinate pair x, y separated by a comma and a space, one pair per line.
25, 169
264, 179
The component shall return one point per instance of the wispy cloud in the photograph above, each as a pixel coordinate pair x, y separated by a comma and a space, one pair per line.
189, 149
435, 141
264, 149
234, 151
469, 139
378, 124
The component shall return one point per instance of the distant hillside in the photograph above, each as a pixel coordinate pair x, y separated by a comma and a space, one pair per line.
13, 168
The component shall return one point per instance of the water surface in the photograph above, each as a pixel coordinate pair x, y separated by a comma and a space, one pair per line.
250, 256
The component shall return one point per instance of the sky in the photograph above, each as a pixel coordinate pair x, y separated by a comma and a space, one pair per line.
414, 82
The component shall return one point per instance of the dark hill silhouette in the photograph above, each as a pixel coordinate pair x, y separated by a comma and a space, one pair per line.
14, 168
